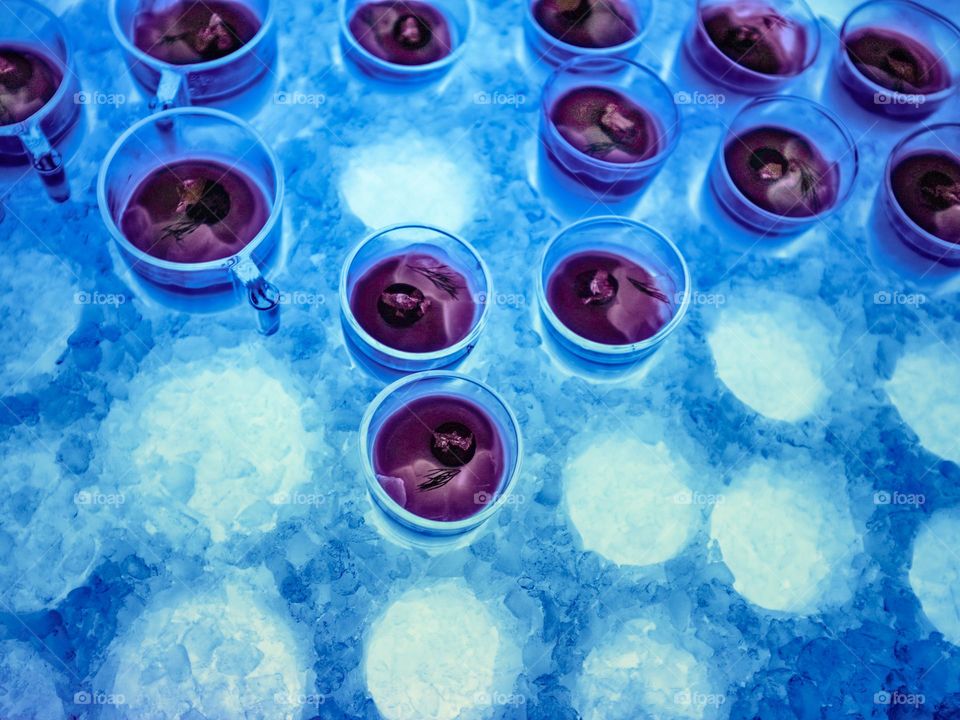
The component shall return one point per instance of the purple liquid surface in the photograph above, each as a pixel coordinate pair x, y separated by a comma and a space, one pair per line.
404, 33
607, 125
587, 23
191, 31
782, 172
440, 457
194, 211
927, 187
757, 37
414, 303
608, 298
27, 82
897, 62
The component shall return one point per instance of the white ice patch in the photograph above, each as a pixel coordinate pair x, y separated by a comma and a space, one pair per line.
437, 653
49, 540
218, 435
227, 652
41, 312
634, 676
935, 572
630, 501
772, 351
786, 533
918, 390
27, 691
401, 181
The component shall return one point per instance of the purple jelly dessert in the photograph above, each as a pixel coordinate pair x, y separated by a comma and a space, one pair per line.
608, 298
757, 37
195, 31
414, 303
28, 81
404, 33
194, 211
782, 172
927, 188
607, 125
440, 457
897, 62
587, 23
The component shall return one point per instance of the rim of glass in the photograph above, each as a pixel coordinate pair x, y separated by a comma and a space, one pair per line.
405, 516
915, 7
67, 61
347, 312
265, 27
412, 70
833, 119
592, 345
556, 42
811, 18
672, 131
141, 256
888, 184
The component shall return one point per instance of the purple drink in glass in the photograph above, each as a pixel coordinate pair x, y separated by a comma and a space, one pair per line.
587, 23
28, 80
608, 298
926, 186
194, 211
440, 457
897, 62
414, 303
781, 171
190, 31
407, 32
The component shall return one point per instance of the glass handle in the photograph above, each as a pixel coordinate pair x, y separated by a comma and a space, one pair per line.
171, 92
47, 161
263, 295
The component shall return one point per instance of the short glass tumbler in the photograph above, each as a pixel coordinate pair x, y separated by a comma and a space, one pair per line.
898, 59
638, 104
784, 164
199, 135
665, 281
429, 391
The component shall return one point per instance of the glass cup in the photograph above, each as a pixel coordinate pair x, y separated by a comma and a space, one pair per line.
705, 55
556, 51
219, 80
639, 85
28, 25
944, 140
198, 134
927, 32
636, 242
409, 526
459, 15
399, 240
810, 121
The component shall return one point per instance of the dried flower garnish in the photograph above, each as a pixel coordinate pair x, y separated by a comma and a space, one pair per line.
202, 202
648, 289
441, 276
437, 478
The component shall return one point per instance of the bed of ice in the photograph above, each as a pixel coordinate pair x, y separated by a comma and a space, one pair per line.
762, 524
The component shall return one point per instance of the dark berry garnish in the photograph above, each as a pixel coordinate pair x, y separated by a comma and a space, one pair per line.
210, 36
16, 70
202, 202
939, 190
453, 444
769, 163
401, 305
412, 32
596, 287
